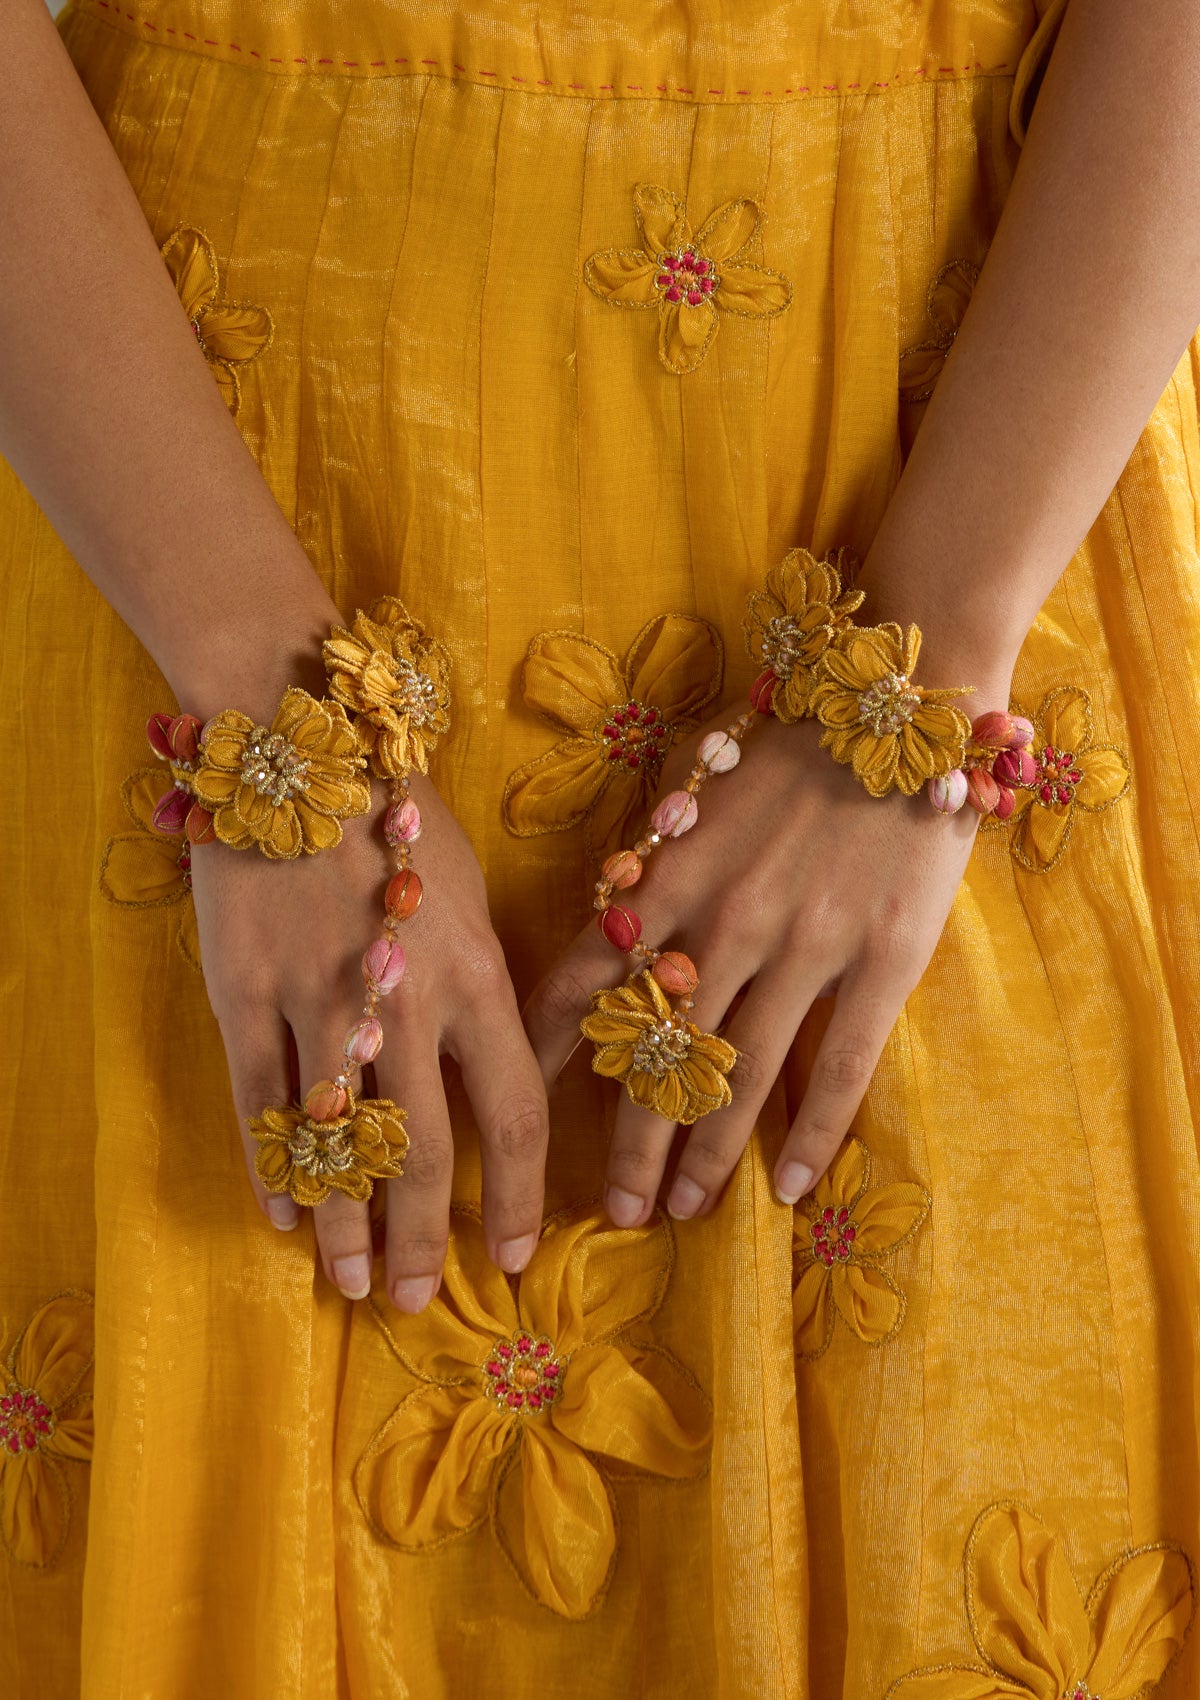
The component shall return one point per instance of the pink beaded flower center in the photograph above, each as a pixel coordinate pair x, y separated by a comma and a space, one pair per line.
1057, 777
635, 737
833, 1233
684, 276
523, 1374
1080, 1691
25, 1420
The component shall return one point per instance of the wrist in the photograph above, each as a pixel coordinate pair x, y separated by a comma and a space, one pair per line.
248, 662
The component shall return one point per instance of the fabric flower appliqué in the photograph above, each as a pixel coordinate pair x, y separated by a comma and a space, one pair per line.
621, 718
843, 1234
396, 681
791, 623
147, 869
230, 333
667, 1064
533, 1398
949, 294
891, 731
1038, 1637
45, 1421
1072, 774
286, 787
692, 280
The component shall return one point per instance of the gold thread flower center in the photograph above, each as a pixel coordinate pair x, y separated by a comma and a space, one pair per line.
320, 1150
833, 1232
1057, 775
783, 645
662, 1047
684, 275
416, 692
888, 704
26, 1421
523, 1374
272, 766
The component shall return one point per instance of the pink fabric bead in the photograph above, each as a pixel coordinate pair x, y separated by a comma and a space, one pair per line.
719, 752
1015, 767
948, 792
364, 1041
402, 823
171, 811
675, 815
383, 966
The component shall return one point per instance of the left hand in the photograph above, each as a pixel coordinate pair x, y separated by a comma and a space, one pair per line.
794, 883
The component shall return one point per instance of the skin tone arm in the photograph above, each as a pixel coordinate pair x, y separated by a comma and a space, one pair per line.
111, 418
1086, 302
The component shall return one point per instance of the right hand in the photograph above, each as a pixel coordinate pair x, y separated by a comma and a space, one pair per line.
282, 944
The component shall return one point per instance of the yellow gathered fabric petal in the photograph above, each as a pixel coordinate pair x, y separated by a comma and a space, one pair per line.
753, 292
726, 232
427, 1476
192, 264
554, 1517
554, 791
141, 870
588, 1280
572, 679
685, 333
1065, 720
920, 369
140, 794
868, 1300
33, 1509
812, 1310
55, 1351
1027, 1616
950, 295
956, 1682
661, 218
624, 276
1141, 1619
636, 1407
1046, 829
235, 331
676, 665
843, 1182
887, 1216
1105, 777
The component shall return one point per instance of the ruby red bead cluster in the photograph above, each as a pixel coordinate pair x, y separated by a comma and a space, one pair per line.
686, 276
833, 1235
636, 736
523, 1374
25, 1421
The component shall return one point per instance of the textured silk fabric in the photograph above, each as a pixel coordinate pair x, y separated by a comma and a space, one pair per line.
765, 1470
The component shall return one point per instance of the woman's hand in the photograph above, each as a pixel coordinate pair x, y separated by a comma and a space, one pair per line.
794, 883
282, 944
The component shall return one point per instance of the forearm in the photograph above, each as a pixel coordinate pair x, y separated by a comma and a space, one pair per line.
1087, 299
110, 415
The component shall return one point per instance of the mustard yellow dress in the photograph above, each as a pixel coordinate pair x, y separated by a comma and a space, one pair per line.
931, 1435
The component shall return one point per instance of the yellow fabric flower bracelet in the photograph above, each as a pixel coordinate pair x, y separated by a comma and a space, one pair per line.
286, 788
895, 735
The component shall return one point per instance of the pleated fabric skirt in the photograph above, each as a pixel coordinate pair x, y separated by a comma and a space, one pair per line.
762, 1474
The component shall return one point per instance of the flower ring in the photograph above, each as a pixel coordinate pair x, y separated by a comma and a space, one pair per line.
666, 1063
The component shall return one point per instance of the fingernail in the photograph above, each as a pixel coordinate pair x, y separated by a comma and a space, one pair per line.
353, 1275
283, 1213
684, 1198
513, 1255
623, 1207
792, 1182
413, 1293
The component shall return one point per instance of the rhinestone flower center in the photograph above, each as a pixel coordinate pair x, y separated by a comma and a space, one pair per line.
321, 1150
636, 737
416, 692
888, 704
684, 275
25, 1420
833, 1232
523, 1373
1057, 777
783, 645
662, 1047
272, 766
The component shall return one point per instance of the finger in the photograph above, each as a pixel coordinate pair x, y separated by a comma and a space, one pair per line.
344, 1239
761, 1032
508, 1095
418, 1203
256, 1042
642, 1139
864, 1013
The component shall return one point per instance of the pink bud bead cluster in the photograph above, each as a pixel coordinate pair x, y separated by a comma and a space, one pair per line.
176, 739
383, 961
677, 813
999, 761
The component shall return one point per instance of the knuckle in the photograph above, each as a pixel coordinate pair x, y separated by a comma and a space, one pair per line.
631, 1163
707, 1159
846, 1068
416, 1254
482, 966
749, 1073
427, 1163
563, 999
521, 1129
